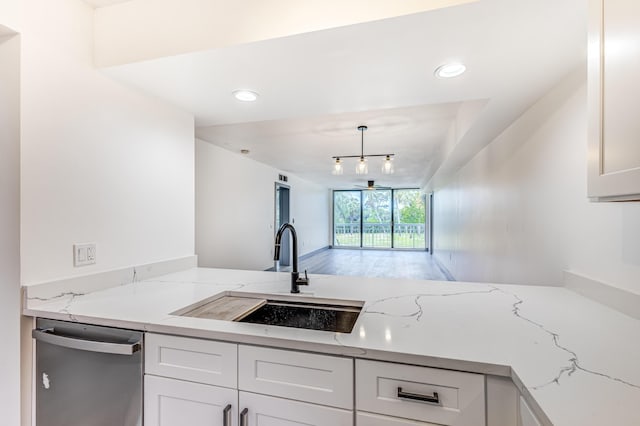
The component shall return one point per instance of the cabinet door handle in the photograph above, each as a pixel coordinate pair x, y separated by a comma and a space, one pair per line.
431, 399
244, 417
226, 416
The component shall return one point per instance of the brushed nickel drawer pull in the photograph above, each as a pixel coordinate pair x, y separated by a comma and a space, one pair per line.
431, 399
226, 415
244, 417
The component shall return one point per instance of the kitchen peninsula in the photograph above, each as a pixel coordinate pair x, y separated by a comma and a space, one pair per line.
555, 345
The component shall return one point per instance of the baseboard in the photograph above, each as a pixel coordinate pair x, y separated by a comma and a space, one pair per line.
621, 300
314, 252
303, 257
43, 292
443, 269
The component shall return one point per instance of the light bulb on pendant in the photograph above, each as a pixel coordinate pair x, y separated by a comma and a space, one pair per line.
361, 167
387, 166
337, 167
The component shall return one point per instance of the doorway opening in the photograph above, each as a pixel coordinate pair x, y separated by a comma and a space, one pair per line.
380, 219
282, 215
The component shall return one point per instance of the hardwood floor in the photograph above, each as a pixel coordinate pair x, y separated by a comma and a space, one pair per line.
374, 263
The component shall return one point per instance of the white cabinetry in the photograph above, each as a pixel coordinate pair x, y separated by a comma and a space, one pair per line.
201, 382
170, 402
527, 418
196, 360
502, 401
614, 99
320, 379
189, 382
370, 419
313, 389
422, 394
262, 410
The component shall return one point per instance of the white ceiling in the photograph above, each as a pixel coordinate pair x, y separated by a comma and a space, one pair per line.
305, 145
103, 3
315, 88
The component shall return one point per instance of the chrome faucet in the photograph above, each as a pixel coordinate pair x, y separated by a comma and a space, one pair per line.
295, 276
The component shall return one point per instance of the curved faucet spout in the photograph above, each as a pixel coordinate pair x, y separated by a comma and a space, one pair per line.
276, 252
295, 276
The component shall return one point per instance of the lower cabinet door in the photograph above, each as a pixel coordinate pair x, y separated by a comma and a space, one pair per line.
171, 402
264, 410
369, 419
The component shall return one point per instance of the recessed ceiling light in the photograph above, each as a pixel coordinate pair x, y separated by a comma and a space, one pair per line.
245, 95
450, 70
244, 151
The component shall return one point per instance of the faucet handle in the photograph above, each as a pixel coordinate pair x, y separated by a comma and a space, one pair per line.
305, 280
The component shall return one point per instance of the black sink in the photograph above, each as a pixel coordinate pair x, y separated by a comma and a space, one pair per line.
336, 318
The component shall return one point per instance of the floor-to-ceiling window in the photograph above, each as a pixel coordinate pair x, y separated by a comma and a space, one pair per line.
388, 218
376, 219
347, 218
409, 219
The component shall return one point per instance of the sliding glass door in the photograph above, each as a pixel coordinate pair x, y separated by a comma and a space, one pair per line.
347, 218
376, 219
389, 218
409, 219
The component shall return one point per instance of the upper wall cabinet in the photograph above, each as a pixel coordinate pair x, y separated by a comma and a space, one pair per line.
614, 100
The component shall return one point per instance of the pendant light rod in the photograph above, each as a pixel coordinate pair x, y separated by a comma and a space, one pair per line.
358, 156
362, 129
362, 156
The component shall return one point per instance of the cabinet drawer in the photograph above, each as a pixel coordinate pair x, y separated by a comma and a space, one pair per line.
460, 399
195, 360
268, 411
368, 419
320, 379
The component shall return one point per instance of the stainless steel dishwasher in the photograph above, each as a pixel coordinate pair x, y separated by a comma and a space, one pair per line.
87, 375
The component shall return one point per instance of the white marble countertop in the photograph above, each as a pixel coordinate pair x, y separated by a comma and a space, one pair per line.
576, 360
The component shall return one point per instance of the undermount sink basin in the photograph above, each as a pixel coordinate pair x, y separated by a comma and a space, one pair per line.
311, 316
284, 311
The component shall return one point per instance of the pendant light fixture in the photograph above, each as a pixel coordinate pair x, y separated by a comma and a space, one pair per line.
387, 166
362, 167
337, 167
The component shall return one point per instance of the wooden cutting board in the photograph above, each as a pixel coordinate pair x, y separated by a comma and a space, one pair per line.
228, 308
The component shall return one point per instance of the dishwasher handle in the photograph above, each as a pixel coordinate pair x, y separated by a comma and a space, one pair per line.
48, 335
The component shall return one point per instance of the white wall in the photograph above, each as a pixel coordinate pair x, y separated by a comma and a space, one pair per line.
235, 210
310, 210
10, 230
518, 212
100, 162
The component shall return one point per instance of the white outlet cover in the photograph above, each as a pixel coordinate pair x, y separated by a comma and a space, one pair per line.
84, 254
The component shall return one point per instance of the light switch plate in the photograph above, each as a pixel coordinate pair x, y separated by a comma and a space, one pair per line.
84, 254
